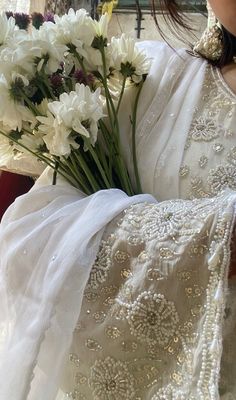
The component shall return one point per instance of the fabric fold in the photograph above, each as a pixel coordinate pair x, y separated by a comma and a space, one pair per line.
49, 240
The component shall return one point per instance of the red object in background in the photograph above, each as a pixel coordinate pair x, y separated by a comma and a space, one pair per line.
12, 186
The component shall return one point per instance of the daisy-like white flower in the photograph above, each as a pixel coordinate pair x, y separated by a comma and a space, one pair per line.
51, 52
74, 28
19, 55
76, 113
128, 59
7, 27
33, 141
12, 112
100, 27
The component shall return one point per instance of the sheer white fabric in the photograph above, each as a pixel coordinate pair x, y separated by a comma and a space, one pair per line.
50, 238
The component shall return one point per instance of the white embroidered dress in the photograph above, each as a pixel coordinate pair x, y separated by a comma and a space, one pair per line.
147, 325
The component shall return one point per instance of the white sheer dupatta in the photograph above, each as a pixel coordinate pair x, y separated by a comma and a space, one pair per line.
166, 107
48, 242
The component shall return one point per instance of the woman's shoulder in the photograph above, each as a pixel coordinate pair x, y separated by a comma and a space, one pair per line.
163, 53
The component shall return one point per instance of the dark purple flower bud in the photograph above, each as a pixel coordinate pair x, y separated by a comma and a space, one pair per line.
56, 81
22, 20
49, 17
81, 77
37, 19
9, 14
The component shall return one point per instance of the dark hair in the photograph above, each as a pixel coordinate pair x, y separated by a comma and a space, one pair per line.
175, 19
229, 48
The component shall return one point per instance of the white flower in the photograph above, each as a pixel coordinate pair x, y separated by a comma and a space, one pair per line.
75, 28
115, 84
100, 27
125, 53
51, 52
43, 107
19, 55
32, 141
7, 27
56, 135
75, 113
12, 113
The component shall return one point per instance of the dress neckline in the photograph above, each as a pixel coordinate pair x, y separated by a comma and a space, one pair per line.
217, 74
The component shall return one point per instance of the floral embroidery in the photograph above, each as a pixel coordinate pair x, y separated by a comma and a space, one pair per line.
218, 147
197, 189
204, 130
111, 380
183, 171
152, 318
203, 161
102, 265
210, 140
130, 320
222, 177
160, 222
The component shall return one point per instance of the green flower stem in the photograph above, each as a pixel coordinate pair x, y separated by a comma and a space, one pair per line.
126, 184
84, 184
30, 104
134, 118
54, 179
114, 153
62, 169
124, 175
109, 145
87, 171
80, 59
48, 86
115, 156
79, 185
97, 161
40, 85
104, 65
121, 94
107, 167
110, 105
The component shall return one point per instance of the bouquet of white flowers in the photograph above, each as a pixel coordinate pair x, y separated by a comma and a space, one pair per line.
61, 87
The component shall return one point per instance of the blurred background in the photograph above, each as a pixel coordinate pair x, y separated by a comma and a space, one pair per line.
134, 17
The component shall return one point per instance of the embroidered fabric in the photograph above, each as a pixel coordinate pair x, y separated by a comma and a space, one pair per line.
121, 306
209, 160
152, 309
